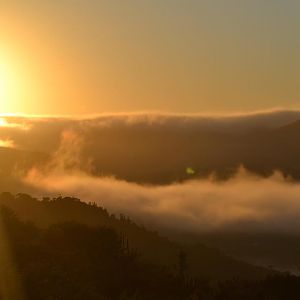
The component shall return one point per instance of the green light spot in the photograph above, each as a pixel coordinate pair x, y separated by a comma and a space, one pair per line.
190, 171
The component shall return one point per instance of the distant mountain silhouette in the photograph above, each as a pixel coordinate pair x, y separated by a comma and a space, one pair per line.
161, 154
276, 149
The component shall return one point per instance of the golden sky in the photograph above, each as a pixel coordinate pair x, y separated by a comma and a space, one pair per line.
91, 56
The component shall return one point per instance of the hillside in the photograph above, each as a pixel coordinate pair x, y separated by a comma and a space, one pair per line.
203, 262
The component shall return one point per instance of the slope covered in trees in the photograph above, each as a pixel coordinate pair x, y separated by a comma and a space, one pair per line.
203, 262
58, 258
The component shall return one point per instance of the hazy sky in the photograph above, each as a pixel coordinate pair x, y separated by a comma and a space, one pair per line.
93, 56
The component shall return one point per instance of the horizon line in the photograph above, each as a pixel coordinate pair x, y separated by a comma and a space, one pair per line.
219, 114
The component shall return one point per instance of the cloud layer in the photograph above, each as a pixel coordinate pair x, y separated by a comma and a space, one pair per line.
158, 148
134, 149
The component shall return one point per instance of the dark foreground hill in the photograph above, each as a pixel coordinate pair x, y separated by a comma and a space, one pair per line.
72, 250
203, 262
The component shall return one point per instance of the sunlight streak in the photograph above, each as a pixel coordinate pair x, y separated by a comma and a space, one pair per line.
10, 286
7, 144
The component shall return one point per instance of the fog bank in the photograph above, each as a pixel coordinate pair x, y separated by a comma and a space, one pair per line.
246, 202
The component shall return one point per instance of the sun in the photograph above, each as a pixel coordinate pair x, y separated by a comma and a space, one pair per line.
3, 85
10, 85
18, 85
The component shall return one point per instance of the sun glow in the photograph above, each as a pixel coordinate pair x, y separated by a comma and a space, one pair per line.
12, 84
3, 123
7, 91
3, 85
7, 144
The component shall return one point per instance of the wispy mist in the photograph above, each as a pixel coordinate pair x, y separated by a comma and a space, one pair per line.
246, 202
